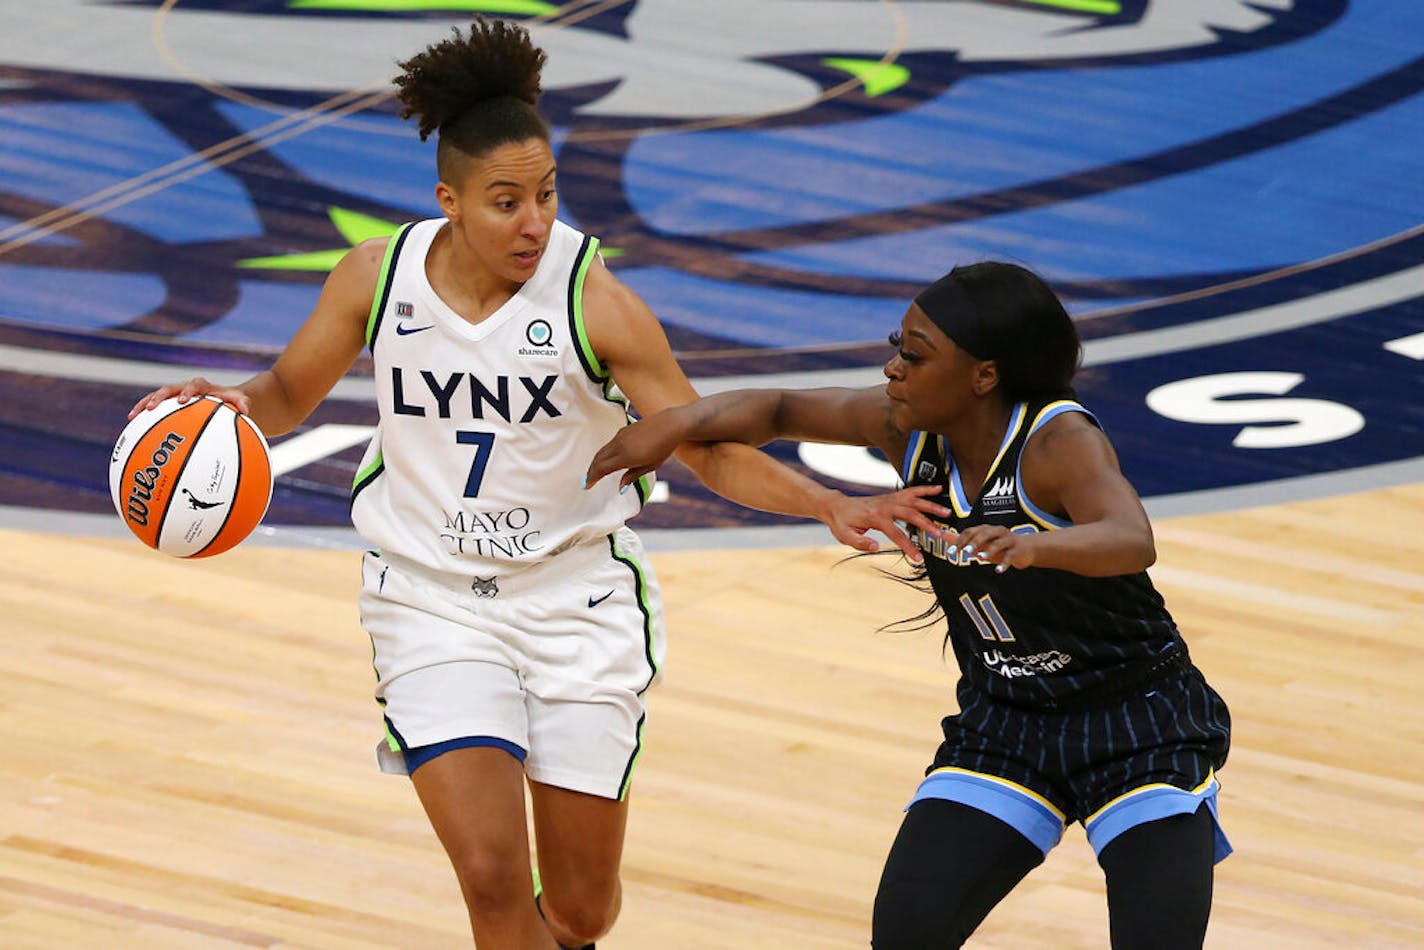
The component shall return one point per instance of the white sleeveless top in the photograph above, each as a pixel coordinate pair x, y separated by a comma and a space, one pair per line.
487, 428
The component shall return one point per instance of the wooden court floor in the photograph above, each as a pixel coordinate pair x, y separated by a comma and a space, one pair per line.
187, 756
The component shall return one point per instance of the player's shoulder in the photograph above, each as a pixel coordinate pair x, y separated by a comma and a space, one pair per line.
607, 300
1060, 419
1071, 434
365, 259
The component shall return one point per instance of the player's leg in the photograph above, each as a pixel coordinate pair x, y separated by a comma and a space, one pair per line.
598, 649
949, 866
579, 772
1159, 880
1157, 836
981, 820
580, 850
475, 800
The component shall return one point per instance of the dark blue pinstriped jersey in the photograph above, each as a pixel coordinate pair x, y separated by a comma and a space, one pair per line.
1035, 636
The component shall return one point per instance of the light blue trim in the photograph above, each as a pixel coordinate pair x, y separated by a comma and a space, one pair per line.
1153, 804
1035, 512
913, 450
1030, 817
957, 497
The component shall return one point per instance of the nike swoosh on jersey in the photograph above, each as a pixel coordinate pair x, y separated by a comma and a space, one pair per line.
594, 602
402, 330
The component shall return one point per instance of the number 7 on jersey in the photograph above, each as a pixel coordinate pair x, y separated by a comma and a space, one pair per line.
484, 445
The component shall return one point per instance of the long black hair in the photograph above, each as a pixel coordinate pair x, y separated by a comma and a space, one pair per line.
477, 91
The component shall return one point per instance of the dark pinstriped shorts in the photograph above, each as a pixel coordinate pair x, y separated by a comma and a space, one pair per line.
1144, 754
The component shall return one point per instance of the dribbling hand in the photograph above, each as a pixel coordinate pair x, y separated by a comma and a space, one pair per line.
192, 389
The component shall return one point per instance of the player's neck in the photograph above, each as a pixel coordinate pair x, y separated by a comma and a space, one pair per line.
974, 439
463, 282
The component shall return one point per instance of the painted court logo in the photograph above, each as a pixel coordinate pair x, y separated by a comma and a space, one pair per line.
1240, 205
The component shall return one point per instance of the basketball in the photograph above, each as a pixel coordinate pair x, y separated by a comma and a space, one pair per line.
191, 479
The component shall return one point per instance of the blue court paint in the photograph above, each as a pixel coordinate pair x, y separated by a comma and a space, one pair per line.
760, 316
63, 152
266, 315
1162, 188
75, 300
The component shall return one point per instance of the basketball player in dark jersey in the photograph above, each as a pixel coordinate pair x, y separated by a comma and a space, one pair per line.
1077, 699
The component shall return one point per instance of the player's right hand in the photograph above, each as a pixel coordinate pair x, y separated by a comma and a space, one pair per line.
192, 389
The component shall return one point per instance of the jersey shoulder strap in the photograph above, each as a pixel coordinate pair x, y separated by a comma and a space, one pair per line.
383, 285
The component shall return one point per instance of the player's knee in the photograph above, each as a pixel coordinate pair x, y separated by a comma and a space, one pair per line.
488, 885
575, 922
912, 915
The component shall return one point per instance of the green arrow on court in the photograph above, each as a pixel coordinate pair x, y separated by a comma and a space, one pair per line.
877, 77
353, 226
1104, 7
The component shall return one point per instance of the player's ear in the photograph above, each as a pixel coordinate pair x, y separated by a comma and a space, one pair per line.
986, 377
445, 197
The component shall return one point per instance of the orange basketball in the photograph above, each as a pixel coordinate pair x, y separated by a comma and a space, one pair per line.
191, 479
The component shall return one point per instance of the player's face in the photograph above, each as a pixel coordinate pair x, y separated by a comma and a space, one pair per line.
505, 207
931, 380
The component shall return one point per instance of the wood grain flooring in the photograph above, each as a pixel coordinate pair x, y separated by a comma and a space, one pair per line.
188, 748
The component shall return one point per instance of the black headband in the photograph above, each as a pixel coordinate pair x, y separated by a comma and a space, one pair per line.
950, 308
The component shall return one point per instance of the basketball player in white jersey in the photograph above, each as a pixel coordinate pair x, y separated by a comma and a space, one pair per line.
516, 622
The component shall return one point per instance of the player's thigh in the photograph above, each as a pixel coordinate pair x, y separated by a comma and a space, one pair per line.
580, 841
950, 865
594, 649
474, 798
1159, 882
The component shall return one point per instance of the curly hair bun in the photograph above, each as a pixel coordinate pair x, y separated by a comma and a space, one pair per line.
496, 59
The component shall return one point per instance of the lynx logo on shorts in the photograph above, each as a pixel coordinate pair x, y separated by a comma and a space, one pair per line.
485, 587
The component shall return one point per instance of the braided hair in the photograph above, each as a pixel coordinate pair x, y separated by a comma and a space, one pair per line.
477, 91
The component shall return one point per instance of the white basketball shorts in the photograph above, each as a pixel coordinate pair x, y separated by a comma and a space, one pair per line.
553, 660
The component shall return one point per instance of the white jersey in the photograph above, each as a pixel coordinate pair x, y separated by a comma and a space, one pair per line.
487, 428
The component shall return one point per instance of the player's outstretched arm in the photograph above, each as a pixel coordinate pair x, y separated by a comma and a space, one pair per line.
707, 436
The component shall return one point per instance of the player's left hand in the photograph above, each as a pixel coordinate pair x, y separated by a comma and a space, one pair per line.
637, 449
850, 516
997, 545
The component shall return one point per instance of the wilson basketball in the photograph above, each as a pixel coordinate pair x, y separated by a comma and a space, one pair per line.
191, 479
